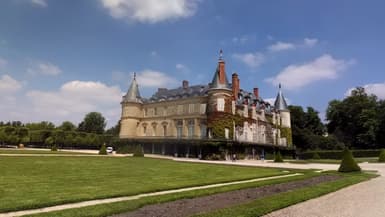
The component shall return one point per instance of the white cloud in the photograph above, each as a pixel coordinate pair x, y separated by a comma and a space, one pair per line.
44, 69
9, 84
151, 78
40, 3
310, 42
296, 76
281, 46
271, 101
253, 60
377, 89
180, 66
3, 62
150, 11
73, 100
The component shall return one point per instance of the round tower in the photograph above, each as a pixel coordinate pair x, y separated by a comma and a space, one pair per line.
220, 92
131, 111
281, 106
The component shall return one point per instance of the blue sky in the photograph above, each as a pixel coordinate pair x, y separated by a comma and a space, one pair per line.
62, 59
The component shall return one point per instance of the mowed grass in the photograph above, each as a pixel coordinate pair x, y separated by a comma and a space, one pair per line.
33, 182
28, 151
333, 161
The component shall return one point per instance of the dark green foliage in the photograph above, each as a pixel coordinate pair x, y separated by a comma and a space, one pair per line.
278, 157
307, 130
67, 126
138, 151
316, 156
381, 158
93, 122
337, 154
103, 150
54, 147
355, 120
348, 164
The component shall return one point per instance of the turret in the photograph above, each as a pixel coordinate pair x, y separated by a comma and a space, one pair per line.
281, 106
220, 90
131, 111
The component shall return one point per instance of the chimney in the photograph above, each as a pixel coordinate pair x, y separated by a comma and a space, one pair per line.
185, 84
256, 92
222, 73
235, 84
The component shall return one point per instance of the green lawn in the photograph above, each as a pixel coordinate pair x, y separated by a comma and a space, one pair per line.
255, 208
32, 182
268, 204
28, 151
333, 161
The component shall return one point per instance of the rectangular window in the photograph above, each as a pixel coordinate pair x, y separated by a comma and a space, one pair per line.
191, 108
220, 105
179, 129
191, 128
203, 109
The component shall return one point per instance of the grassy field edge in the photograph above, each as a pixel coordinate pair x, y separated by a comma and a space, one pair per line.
126, 206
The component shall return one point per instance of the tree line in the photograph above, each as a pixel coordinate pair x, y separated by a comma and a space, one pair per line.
90, 133
356, 122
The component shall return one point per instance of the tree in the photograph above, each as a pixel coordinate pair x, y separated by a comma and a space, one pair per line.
308, 130
115, 130
354, 120
67, 126
93, 122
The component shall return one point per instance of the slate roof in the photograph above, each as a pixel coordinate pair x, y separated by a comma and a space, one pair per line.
280, 102
215, 84
133, 94
164, 94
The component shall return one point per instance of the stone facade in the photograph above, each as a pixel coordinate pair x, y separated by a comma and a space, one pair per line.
219, 110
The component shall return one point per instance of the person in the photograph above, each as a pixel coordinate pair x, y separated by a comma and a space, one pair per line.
234, 157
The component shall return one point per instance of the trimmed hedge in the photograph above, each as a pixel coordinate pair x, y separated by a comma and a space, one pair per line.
337, 154
278, 157
348, 164
381, 158
103, 149
138, 152
316, 156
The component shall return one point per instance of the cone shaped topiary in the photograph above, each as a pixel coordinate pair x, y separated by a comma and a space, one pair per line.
138, 151
348, 164
381, 158
54, 147
316, 156
103, 149
278, 157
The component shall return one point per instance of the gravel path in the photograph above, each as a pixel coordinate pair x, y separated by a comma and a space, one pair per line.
366, 199
192, 206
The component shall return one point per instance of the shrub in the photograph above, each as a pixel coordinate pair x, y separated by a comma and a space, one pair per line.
316, 156
138, 151
337, 154
278, 157
381, 158
103, 149
54, 147
348, 164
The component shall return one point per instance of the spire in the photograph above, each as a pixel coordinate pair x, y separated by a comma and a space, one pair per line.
133, 94
220, 54
280, 102
220, 79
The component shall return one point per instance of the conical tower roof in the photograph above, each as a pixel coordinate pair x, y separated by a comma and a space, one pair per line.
280, 102
133, 94
220, 78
